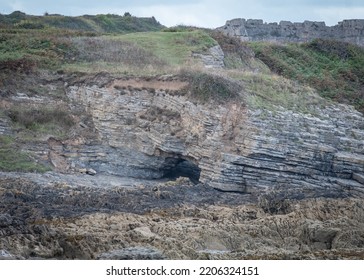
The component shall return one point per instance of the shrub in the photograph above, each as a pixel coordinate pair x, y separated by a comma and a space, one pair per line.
27, 24
32, 118
205, 87
21, 65
337, 49
26, 50
274, 202
180, 28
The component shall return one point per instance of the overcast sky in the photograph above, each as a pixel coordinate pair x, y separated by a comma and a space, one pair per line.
202, 13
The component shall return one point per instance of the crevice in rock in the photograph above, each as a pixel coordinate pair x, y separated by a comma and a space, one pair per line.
182, 168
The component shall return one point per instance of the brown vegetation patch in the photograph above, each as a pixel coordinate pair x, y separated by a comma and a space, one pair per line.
22, 65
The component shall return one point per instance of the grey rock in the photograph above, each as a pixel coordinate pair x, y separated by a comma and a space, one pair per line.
91, 172
133, 253
5, 127
214, 58
320, 235
359, 178
4, 254
233, 148
286, 31
5, 220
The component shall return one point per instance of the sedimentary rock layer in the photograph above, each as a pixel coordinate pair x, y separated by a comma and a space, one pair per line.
146, 133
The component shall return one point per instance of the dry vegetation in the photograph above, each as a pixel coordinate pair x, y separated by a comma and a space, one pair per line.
40, 118
207, 87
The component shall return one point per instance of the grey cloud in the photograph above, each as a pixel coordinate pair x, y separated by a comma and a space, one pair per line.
73, 7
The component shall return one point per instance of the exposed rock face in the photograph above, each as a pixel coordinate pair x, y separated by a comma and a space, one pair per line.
146, 128
255, 30
213, 59
4, 127
146, 131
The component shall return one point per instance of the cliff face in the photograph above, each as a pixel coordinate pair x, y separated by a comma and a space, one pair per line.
283, 154
146, 129
351, 31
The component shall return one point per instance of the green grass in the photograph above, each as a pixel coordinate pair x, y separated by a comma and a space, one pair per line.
103, 23
271, 91
144, 53
109, 53
71, 48
237, 54
25, 51
173, 47
28, 43
334, 69
11, 159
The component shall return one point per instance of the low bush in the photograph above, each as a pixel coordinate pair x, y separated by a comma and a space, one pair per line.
26, 50
274, 203
209, 87
21, 65
33, 118
180, 28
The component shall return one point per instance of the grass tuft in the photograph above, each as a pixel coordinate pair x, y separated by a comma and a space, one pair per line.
11, 159
42, 120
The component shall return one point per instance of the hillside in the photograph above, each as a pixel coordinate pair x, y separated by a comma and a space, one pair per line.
335, 69
88, 23
178, 143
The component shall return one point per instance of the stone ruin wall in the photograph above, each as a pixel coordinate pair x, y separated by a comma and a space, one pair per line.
351, 31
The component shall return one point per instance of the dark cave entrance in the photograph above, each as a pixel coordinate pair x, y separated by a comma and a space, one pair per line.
182, 168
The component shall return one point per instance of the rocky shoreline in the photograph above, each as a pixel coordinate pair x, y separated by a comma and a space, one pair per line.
56, 219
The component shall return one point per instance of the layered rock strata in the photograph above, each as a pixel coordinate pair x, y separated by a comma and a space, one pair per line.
214, 58
145, 129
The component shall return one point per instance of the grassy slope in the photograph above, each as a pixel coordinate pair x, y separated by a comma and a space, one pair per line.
334, 69
30, 42
174, 47
99, 23
143, 53
23, 50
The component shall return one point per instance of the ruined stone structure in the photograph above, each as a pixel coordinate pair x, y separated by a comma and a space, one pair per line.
351, 31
